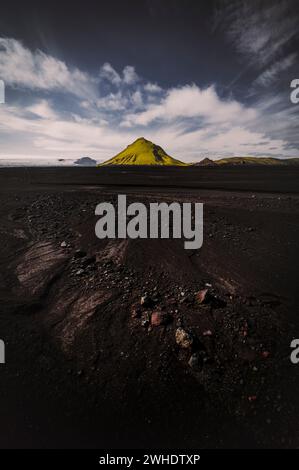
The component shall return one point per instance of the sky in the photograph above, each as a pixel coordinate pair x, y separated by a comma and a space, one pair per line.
201, 79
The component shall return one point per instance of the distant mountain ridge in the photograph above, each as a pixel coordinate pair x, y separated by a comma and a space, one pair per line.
143, 152
206, 162
257, 161
86, 161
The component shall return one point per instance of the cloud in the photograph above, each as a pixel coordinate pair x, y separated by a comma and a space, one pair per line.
112, 102
22, 68
137, 99
152, 87
260, 30
271, 74
107, 72
189, 102
42, 109
128, 76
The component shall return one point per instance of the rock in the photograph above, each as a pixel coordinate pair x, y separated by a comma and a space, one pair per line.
63, 244
265, 354
183, 338
145, 322
194, 361
252, 398
79, 272
201, 296
207, 333
158, 318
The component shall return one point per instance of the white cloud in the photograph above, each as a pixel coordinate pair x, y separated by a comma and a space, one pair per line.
109, 73
137, 99
152, 87
112, 102
38, 71
188, 102
129, 75
260, 31
42, 109
270, 74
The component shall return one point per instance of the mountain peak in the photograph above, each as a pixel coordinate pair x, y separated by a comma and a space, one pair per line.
143, 152
205, 162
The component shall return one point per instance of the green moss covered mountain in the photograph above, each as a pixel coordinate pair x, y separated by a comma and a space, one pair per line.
143, 152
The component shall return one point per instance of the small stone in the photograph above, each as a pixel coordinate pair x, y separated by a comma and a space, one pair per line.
157, 319
265, 354
207, 333
194, 361
183, 338
201, 296
145, 320
79, 272
252, 398
63, 244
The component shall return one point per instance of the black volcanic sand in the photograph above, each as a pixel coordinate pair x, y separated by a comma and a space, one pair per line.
85, 368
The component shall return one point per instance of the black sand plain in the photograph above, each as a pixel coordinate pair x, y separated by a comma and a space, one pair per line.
85, 366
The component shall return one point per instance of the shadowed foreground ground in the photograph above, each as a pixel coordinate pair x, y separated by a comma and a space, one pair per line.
88, 366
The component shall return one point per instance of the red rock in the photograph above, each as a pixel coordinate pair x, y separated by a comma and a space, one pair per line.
157, 318
265, 354
252, 398
201, 296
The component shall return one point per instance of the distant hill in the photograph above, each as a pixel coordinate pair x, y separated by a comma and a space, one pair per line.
86, 161
205, 162
143, 152
257, 161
